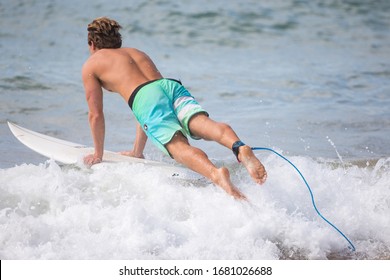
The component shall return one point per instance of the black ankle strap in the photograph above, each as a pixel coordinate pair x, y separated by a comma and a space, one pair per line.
235, 147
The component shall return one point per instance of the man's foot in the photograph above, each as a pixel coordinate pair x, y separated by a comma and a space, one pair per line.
221, 177
252, 164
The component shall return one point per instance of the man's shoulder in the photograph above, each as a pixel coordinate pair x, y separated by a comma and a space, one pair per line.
94, 58
89, 67
87, 64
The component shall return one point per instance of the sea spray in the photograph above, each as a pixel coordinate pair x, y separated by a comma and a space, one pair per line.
127, 211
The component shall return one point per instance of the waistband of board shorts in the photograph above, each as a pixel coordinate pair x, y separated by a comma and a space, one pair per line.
137, 89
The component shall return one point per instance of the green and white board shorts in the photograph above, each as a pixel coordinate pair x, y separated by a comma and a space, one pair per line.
163, 107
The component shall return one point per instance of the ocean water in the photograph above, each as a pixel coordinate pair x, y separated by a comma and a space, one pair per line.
310, 79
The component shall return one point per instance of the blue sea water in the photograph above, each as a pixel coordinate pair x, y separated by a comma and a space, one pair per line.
310, 79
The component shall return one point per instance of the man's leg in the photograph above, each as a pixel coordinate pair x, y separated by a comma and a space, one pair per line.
197, 160
202, 126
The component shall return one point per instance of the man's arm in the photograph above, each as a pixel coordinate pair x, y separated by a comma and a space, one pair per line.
94, 97
139, 142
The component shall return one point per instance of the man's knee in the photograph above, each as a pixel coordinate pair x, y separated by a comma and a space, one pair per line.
224, 126
177, 141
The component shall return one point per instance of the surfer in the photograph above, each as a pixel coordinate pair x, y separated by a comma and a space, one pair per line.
166, 112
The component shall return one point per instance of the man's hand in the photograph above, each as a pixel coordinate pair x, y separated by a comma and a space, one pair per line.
132, 154
92, 159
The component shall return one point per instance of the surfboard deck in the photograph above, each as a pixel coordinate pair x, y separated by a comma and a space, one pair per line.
67, 152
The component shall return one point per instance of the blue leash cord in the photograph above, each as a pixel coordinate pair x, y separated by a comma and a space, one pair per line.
311, 193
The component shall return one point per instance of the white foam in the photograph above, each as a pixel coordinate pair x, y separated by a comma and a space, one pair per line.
126, 211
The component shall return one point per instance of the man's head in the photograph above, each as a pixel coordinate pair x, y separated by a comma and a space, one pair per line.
104, 33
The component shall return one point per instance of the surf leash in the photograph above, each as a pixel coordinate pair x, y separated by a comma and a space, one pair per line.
351, 247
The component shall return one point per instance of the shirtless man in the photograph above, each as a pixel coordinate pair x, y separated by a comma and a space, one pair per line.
166, 112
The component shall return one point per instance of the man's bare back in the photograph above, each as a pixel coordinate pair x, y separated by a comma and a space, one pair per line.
121, 70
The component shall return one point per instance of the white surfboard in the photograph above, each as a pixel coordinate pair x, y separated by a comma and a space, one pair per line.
71, 153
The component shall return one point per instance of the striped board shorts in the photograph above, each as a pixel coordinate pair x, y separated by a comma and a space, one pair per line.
163, 107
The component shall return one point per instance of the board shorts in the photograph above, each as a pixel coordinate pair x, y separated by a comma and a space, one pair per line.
164, 107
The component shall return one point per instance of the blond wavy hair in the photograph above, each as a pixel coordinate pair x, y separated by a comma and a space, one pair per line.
104, 33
